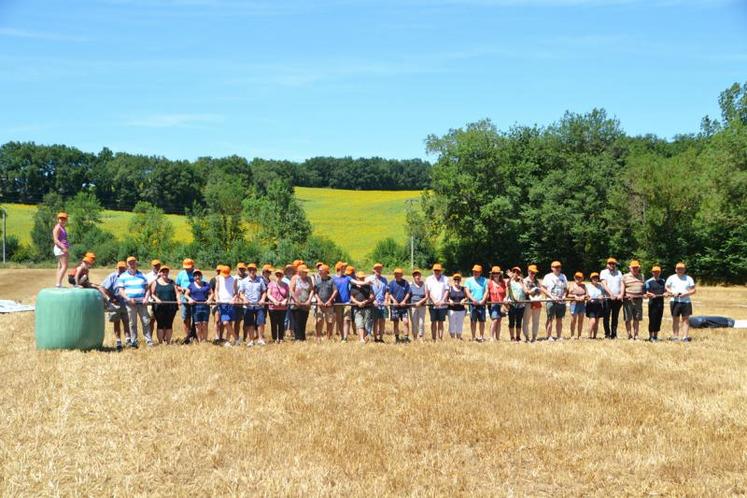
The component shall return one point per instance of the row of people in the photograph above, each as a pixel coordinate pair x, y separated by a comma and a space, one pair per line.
347, 300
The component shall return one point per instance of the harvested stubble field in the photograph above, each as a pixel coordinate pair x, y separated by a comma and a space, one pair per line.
572, 418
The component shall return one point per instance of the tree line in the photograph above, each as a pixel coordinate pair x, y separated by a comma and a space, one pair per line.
580, 190
29, 171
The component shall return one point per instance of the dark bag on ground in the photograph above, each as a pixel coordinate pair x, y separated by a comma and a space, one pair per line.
710, 322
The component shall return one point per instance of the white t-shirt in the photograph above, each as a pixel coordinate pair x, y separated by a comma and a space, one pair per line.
676, 285
225, 288
594, 291
614, 281
555, 284
151, 276
436, 288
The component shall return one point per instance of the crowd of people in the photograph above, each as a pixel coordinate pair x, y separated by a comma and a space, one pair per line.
346, 302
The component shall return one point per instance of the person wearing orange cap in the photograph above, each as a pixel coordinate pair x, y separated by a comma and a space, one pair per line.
497, 290
379, 286
198, 295
343, 312
476, 288
655, 290
79, 276
578, 293
164, 293
301, 291
214, 308
633, 283
61, 247
555, 287
594, 303
226, 289
151, 277
278, 294
611, 279
680, 286
437, 287
132, 286
418, 301
325, 292
517, 296
362, 299
290, 272
398, 293
534, 309
241, 274
183, 280
457, 310
253, 293
116, 312
266, 274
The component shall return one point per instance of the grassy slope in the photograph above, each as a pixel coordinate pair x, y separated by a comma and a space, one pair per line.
355, 220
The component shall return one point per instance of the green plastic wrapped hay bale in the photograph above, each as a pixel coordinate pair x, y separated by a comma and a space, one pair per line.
69, 319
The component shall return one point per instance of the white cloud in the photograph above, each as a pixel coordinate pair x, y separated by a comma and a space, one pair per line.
175, 120
39, 35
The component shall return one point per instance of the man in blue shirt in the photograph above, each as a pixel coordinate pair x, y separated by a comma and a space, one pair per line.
183, 279
379, 288
252, 291
343, 315
132, 286
476, 288
399, 295
116, 312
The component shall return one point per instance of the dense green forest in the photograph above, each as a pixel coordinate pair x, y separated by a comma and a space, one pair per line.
580, 190
120, 180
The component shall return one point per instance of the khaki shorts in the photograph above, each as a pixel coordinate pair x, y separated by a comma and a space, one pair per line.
324, 314
633, 309
343, 313
118, 314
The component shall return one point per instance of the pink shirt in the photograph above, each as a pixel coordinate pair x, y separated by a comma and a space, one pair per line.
278, 291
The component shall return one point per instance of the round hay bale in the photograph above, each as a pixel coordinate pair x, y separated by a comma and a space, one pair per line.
69, 319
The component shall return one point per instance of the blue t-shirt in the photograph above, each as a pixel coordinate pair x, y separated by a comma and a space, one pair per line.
110, 285
183, 279
379, 287
134, 285
399, 289
477, 287
252, 289
343, 288
199, 294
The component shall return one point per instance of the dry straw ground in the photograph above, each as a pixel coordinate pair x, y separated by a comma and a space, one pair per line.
570, 418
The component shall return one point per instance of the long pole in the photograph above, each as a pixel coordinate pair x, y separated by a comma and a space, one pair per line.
5, 217
412, 253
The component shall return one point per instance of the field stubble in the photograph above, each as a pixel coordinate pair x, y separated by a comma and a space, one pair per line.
570, 418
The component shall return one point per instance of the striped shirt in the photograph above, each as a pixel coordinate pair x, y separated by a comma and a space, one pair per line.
134, 285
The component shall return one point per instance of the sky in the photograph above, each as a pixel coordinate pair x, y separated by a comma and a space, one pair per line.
292, 79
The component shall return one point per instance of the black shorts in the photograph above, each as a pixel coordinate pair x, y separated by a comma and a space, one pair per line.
681, 309
594, 309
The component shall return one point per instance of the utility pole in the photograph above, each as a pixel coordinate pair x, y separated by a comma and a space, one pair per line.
5, 230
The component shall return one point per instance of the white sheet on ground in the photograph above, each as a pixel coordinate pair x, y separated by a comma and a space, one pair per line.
7, 306
740, 324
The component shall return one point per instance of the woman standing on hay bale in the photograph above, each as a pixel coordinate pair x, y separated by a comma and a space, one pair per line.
61, 246
163, 290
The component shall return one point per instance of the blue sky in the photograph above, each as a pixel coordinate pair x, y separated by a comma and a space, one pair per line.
294, 79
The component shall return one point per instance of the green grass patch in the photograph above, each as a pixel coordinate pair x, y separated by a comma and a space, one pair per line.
355, 220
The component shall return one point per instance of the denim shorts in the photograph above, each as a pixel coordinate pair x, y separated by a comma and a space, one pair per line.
254, 316
227, 312
578, 308
398, 314
186, 311
438, 314
200, 313
477, 313
496, 312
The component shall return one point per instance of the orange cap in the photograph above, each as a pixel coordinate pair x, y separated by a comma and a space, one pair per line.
297, 262
241, 265
477, 268
634, 264
360, 275
278, 271
556, 264
131, 258
495, 269
62, 215
416, 272
266, 268
88, 260
303, 268
611, 260
378, 266
656, 268
319, 263
350, 270
533, 269
164, 268
121, 264
188, 263
437, 267
339, 265
398, 271
456, 276
225, 270
679, 265
594, 274
155, 262
251, 266
91, 255
578, 274
323, 267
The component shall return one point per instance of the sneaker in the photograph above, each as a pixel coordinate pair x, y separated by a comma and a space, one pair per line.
261, 342
249, 344
149, 344
228, 344
119, 347
134, 345
686, 339
551, 339
674, 338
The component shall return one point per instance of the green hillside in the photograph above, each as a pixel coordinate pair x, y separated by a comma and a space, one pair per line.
355, 220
